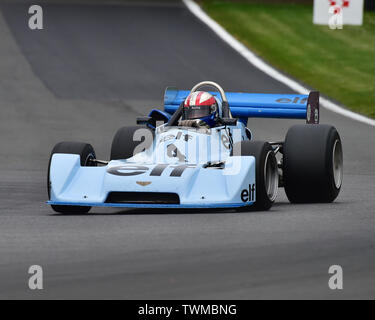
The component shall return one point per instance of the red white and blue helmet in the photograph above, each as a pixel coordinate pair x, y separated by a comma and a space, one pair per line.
201, 105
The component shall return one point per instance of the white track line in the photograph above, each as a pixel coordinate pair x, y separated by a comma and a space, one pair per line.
261, 65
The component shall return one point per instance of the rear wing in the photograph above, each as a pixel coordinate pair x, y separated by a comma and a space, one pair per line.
257, 105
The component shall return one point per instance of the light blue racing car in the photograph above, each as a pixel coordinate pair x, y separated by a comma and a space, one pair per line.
199, 153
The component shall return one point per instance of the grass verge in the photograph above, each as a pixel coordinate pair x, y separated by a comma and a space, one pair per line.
338, 63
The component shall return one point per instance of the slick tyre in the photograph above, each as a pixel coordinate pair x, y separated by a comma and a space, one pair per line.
128, 141
266, 172
87, 154
312, 164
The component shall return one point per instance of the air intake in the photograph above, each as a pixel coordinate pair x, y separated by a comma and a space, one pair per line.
143, 197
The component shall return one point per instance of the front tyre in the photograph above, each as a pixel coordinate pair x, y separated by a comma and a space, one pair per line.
128, 141
312, 164
266, 172
87, 154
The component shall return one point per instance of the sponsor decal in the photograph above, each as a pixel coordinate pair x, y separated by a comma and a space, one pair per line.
128, 170
143, 183
134, 170
248, 194
295, 100
168, 137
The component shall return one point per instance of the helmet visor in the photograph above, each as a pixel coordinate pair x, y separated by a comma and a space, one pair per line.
196, 112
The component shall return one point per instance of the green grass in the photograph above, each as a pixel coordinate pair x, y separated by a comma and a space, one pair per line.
338, 63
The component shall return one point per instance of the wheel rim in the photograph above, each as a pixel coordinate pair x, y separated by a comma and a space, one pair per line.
271, 176
337, 163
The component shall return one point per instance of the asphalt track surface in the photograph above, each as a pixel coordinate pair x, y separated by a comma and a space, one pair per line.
93, 69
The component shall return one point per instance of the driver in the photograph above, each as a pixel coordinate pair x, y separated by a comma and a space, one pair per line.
200, 109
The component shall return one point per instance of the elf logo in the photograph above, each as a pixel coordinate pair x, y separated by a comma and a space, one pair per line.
248, 194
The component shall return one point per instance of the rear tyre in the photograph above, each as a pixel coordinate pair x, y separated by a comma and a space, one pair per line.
87, 154
129, 141
312, 164
266, 172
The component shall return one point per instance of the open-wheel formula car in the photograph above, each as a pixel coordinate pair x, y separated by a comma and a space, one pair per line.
198, 153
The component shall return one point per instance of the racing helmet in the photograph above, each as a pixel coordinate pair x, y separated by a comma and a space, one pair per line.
201, 105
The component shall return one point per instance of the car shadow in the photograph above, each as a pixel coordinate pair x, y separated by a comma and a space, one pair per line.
165, 211
276, 209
